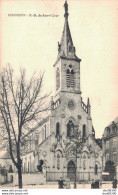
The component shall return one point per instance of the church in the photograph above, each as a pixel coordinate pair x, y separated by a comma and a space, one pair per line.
64, 144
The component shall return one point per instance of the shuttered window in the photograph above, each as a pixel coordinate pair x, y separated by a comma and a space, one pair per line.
70, 77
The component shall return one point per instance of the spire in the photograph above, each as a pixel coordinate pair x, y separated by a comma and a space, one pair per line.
89, 107
66, 47
88, 102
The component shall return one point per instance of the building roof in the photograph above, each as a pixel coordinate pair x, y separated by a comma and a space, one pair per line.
115, 121
43, 121
108, 131
4, 155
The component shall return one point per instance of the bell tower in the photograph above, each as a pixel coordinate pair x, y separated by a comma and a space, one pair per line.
67, 65
68, 108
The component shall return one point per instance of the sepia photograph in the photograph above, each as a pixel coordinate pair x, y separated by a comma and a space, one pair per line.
58, 95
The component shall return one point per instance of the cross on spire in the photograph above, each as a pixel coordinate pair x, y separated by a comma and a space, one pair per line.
66, 10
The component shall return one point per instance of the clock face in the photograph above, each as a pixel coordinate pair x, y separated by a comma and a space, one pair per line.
71, 104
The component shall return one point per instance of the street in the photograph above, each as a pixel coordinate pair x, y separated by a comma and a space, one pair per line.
55, 186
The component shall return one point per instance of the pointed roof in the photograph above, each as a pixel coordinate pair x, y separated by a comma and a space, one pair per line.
66, 40
115, 121
66, 48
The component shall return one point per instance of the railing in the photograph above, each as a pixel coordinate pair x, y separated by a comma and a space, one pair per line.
84, 106
56, 104
80, 176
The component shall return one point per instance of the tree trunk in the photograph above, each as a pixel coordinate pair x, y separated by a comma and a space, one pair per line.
20, 175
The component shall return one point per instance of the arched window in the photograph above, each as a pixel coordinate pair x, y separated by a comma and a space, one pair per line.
108, 131
57, 129
10, 169
40, 166
114, 127
57, 79
96, 169
84, 131
70, 76
70, 129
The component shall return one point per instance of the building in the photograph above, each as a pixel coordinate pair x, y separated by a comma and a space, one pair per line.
64, 144
6, 166
110, 143
5, 159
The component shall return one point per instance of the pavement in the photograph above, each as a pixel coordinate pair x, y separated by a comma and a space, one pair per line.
55, 186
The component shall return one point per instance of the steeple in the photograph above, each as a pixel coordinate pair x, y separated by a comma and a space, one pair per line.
67, 65
66, 47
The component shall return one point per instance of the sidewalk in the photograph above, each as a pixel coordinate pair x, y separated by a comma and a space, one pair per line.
55, 186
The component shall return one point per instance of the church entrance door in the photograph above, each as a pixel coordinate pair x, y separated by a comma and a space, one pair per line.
71, 170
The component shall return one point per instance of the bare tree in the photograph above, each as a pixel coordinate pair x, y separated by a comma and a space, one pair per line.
21, 105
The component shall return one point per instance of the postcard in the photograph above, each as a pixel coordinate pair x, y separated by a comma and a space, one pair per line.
58, 96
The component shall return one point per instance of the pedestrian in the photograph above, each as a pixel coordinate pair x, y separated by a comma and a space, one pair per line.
60, 183
100, 184
92, 184
114, 183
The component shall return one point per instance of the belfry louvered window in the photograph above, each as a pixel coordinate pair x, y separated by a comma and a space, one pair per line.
57, 79
70, 76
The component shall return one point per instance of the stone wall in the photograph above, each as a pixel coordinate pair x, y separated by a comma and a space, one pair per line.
29, 178
3, 179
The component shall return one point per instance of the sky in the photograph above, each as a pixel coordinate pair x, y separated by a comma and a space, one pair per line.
31, 43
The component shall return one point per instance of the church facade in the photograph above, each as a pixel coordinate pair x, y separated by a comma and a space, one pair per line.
65, 145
